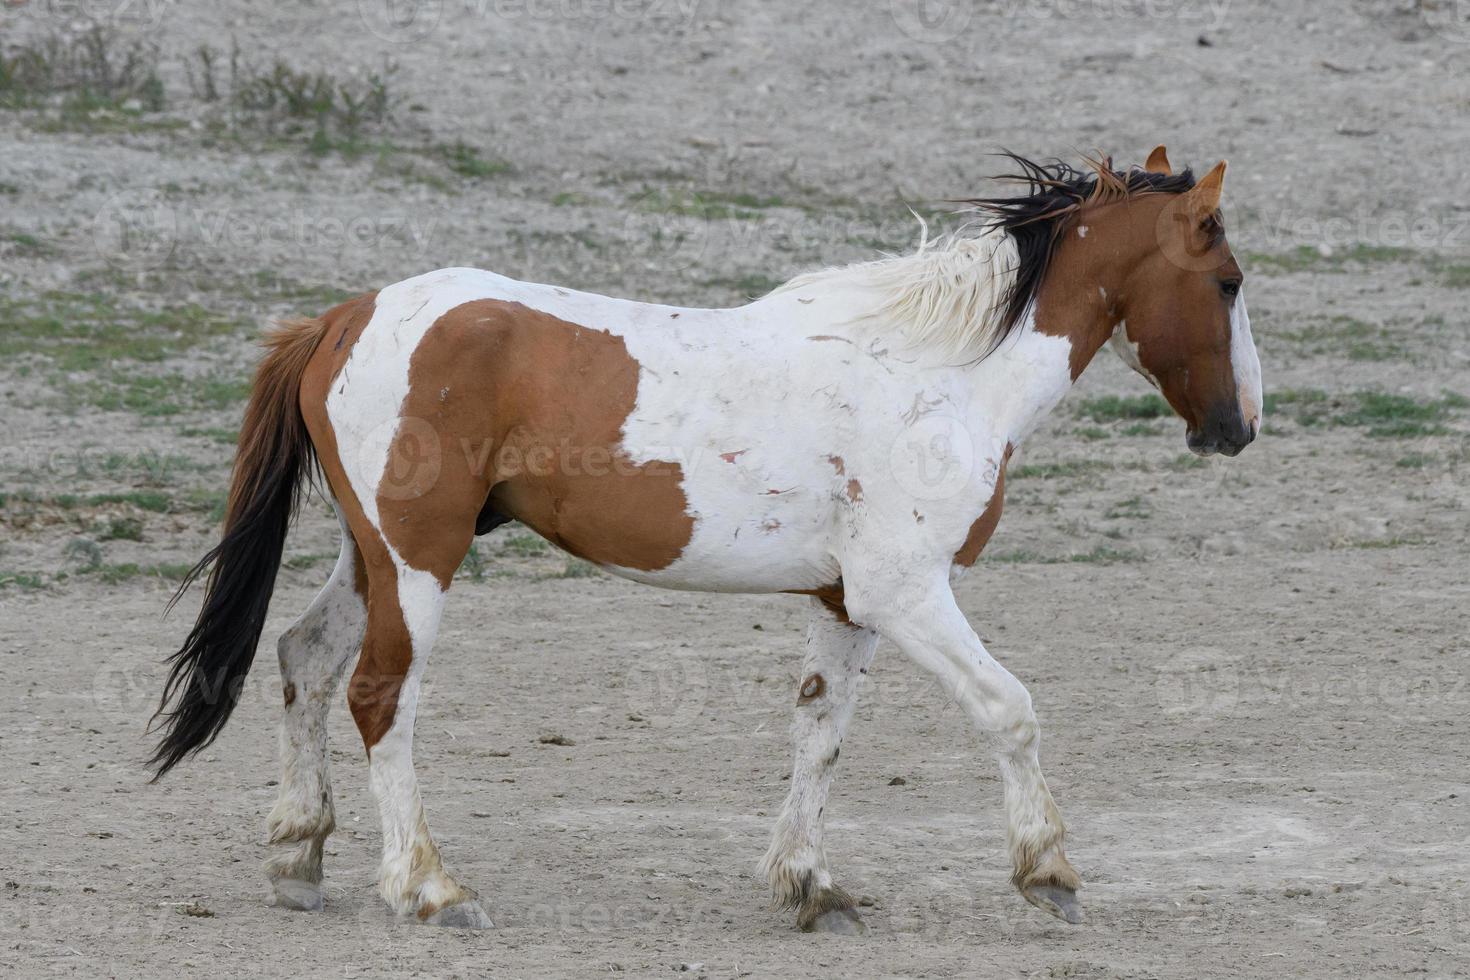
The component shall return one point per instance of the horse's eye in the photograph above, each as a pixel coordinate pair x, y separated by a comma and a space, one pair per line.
1230, 287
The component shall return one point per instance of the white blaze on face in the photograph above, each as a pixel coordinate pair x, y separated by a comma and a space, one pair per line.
1247, 364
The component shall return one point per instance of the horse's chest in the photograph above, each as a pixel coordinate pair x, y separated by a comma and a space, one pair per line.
984, 526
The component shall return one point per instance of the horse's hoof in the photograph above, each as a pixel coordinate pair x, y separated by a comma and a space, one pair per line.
839, 922
1060, 902
465, 915
297, 895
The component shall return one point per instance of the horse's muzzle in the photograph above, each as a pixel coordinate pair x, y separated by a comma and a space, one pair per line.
1224, 432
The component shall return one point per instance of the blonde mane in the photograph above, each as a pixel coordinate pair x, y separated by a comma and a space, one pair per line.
959, 296
947, 299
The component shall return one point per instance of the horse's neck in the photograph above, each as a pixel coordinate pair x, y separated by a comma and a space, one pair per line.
1018, 384
1006, 394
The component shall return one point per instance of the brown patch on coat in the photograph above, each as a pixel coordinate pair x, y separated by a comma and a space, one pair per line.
831, 597
985, 524
854, 491
289, 693
553, 399
838, 464
731, 457
1068, 303
811, 689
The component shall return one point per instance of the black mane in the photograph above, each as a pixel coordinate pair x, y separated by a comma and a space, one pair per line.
1037, 219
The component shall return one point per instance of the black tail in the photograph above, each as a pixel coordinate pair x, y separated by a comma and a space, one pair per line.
275, 453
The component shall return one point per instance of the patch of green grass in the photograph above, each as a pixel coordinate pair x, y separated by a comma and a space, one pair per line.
1309, 258
1381, 414
1114, 408
312, 297
336, 111
1092, 433
88, 331
1397, 541
578, 568
1385, 414
524, 545
156, 396
24, 245
1357, 339
209, 502
1134, 508
1456, 276
1053, 471
117, 574
121, 529
89, 69
474, 564
1414, 461
225, 437
25, 581
466, 161
154, 501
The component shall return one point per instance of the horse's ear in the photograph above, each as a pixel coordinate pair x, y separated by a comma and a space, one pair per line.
1158, 162
1204, 197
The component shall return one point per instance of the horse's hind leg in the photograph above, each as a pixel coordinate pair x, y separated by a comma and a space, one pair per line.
314, 653
837, 655
407, 592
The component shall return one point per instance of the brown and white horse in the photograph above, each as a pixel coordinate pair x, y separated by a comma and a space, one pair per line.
844, 438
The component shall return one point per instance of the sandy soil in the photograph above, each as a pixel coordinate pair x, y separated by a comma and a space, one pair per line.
1250, 673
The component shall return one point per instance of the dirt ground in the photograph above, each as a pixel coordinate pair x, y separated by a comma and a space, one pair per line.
1250, 673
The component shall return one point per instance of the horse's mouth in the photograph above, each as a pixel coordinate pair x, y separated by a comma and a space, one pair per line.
1222, 442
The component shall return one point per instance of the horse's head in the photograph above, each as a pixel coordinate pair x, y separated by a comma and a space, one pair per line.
1183, 323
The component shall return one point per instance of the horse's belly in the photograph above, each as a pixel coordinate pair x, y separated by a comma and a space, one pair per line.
757, 545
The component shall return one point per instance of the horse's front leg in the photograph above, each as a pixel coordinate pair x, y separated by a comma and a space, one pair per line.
922, 618
837, 655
